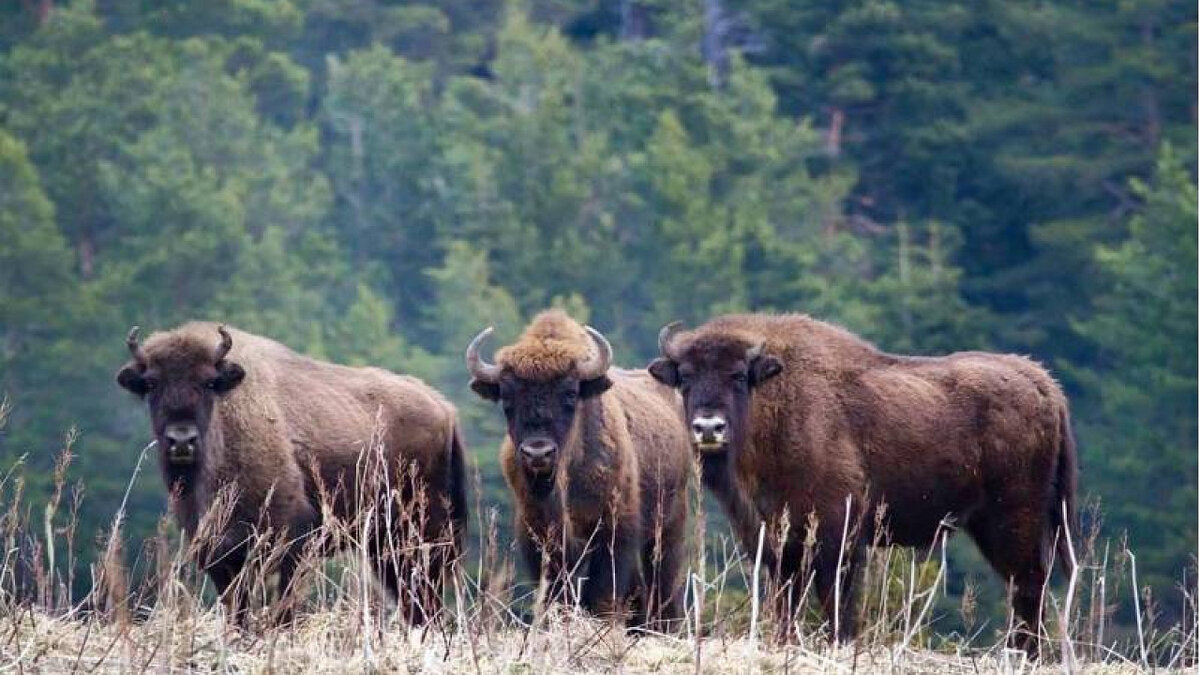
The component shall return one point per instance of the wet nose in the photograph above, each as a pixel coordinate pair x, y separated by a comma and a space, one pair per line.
538, 448
708, 428
181, 434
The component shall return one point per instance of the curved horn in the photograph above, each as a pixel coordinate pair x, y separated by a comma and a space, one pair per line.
666, 335
481, 370
754, 351
597, 365
131, 341
225, 345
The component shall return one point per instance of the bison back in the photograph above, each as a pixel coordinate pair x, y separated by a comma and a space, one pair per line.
945, 437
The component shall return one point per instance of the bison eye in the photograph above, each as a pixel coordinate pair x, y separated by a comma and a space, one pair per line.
739, 377
149, 384
211, 384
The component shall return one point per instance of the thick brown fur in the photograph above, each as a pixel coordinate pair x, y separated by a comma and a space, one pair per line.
297, 434
973, 441
550, 347
615, 510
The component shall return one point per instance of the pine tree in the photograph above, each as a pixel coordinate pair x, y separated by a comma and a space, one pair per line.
1138, 427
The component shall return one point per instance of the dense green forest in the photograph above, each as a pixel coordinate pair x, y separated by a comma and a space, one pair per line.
373, 181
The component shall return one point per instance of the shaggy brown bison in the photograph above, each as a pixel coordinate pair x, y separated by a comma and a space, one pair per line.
599, 461
790, 414
292, 440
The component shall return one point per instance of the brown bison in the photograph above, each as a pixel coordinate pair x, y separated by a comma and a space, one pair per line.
294, 440
790, 414
600, 463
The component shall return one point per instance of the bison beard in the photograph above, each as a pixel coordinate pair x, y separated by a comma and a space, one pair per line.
819, 420
598, 462
256, 440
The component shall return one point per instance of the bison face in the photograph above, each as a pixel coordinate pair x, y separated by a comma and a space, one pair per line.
540, 412
715, 377
540, 416
180, 390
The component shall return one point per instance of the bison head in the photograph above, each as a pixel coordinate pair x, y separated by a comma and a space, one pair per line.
180, 383
540, 410
715, 374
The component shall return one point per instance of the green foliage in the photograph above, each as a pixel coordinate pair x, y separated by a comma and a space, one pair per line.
33, 254
1141, 438
35, 275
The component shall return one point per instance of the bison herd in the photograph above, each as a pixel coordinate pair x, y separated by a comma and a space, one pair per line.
816, 445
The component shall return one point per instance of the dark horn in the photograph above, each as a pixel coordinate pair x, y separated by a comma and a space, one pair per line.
597, 365
226, 344
135, 349
666, 335
481, 370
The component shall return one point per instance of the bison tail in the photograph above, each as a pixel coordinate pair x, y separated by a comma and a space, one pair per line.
460, 512
1066, 480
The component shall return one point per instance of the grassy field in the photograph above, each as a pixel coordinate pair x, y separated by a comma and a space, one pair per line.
149, 609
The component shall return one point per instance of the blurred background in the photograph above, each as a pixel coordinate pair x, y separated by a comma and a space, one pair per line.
372, 182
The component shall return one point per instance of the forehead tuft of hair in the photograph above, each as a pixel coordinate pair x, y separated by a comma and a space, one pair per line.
188, 344
712, 341
550, 347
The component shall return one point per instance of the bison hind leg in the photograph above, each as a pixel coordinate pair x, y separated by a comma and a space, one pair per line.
1016, 547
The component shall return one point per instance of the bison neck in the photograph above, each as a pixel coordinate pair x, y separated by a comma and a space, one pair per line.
717, 472
540, 486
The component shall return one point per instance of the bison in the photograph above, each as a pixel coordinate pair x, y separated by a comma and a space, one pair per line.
793, 415
600, 464
294, 441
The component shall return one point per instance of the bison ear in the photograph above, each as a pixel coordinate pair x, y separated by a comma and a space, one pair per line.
594, 386
664, 370
229, 376
130, 378
489, 391
764, 368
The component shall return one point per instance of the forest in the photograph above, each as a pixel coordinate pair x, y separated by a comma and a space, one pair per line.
374, 181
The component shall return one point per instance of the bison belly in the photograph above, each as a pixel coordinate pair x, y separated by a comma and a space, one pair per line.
920, 487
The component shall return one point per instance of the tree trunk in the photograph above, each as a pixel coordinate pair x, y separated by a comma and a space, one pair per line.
87, 257
1153, 127
633, 21
833, 137
712, 48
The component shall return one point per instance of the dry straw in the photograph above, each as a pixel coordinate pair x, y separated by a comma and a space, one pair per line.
153, 611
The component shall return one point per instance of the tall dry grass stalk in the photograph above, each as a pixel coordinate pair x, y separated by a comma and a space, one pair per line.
158, 612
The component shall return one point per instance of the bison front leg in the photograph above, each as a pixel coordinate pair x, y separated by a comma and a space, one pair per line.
531, 553
835, 589
612, 572
231, 589
661, 605
413, 583
223, 558
542, 564
285, 613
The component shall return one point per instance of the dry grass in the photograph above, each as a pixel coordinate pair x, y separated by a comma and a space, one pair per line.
163, 617
331, 641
